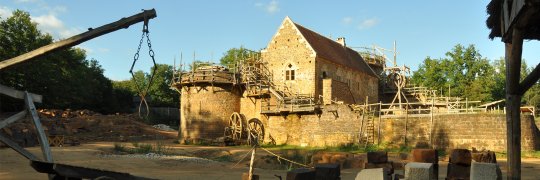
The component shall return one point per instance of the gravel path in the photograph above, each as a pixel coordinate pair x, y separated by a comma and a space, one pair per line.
187, 159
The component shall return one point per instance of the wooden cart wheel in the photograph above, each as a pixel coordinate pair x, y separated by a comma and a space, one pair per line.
236, 124
255, 132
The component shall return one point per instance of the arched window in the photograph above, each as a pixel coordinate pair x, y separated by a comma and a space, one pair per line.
290, 73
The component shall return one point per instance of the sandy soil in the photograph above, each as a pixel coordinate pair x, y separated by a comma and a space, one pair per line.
15, 166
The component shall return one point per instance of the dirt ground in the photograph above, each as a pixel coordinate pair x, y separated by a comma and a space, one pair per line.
98, 155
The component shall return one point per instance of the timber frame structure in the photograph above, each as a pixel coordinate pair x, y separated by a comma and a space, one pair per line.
515, 21
48, 166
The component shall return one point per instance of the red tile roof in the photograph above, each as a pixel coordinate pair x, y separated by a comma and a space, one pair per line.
333, 51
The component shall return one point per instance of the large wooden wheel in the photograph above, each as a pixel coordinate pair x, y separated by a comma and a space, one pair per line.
236, 125
255, 131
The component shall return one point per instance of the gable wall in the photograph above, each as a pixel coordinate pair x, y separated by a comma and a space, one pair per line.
289, 47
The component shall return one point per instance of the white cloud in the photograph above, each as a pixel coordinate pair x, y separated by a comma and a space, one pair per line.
347, 20
51, 24
368, 23
271, 7
5, 12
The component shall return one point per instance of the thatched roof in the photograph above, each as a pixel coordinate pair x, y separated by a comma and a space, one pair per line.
532, 27
333, 51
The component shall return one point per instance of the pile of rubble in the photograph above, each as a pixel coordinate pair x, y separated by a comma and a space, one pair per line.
85, 126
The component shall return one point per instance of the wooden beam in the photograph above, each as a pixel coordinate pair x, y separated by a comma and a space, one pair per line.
12, 119
530, 80
77, 39
513, 102
19, 149
18, 94
42, 138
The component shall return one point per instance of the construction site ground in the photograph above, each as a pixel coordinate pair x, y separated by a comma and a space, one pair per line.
189, 162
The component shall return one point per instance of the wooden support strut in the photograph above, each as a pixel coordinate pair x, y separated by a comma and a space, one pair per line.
513, 99
80, 38
42, 138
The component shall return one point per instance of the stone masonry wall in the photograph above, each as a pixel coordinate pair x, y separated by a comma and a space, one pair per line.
205, 112
337, 91
338, 125
289, 48
359, 84
482, 131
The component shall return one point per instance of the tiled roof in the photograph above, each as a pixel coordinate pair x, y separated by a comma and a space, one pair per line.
335, 52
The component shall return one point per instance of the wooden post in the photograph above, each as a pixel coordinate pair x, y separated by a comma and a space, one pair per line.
379, 131
431, 126
513, 52
42, 138
250, 177
406, 121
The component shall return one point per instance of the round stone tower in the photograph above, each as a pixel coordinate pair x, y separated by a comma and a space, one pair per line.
209, 96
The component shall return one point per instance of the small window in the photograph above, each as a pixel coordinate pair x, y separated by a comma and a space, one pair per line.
289, 75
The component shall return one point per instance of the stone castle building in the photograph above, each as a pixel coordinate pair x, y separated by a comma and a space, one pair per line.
298, 92
304, 71
313, 64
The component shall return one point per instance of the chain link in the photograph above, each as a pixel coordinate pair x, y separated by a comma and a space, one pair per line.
143, 91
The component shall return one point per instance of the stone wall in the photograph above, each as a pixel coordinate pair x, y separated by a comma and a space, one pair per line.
359, 84
337, 91
338, 125
205, 111
289, 48
458, 131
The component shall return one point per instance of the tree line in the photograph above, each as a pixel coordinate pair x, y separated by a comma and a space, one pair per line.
463, 72
67, 78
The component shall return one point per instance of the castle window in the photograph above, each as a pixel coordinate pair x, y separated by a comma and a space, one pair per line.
290, 73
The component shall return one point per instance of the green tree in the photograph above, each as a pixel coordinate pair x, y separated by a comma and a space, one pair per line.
160, 90
463, 73
233, 55
65, 78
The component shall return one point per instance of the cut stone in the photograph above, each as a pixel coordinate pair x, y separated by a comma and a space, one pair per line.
372, 174
301, 174
456, 171
418, 171
327, 171
377, 157
484, 171
461, 157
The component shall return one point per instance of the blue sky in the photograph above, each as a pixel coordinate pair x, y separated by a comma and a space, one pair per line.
209, 28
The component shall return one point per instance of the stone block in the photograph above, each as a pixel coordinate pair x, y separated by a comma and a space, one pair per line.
301, 174
415, 171
388, 167
461, 157
372, 174
485, 171
327, 172
377, 157
456, 171
425, 156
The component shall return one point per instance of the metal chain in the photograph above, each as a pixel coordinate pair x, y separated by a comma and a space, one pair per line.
143, 92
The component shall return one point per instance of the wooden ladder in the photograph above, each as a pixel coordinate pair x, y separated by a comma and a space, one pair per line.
367, 133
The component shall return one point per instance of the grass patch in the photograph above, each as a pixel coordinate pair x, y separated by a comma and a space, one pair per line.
224, 158
144, 148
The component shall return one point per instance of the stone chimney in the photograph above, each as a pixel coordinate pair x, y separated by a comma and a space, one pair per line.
341, 40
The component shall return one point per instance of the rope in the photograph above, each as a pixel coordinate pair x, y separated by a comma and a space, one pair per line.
245, 155
279, 157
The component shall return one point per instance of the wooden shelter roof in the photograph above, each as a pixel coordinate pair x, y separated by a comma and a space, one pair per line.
531, 27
